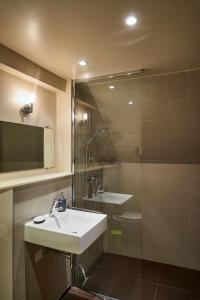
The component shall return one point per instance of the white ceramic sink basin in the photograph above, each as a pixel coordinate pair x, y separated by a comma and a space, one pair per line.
71, 231
110, 198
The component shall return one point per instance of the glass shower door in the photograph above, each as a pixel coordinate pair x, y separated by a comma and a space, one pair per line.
108, 179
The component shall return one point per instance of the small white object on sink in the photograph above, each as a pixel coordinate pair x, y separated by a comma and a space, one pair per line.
72, 231
39, 219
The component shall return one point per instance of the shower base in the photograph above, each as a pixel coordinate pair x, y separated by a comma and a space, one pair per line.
126, 278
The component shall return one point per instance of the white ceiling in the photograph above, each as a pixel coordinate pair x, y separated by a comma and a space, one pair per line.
56, 34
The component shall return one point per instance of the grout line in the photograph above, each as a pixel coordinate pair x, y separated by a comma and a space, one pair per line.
140, 279
179, 289
156, 292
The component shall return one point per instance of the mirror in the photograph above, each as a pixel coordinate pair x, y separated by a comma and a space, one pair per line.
25, 147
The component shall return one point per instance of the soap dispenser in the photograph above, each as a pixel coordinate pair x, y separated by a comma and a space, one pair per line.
62, 203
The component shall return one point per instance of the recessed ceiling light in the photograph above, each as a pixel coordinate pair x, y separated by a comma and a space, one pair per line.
131, 20
83, 62
111, 87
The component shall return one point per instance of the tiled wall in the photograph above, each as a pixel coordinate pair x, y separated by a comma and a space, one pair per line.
124, 178
163, 119
170, 183
171, 210
170, 118
49, 277
156, 140
123, 121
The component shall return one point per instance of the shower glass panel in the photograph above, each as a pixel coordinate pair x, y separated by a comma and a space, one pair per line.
108, 179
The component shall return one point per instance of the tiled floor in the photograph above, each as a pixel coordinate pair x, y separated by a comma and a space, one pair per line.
132, 279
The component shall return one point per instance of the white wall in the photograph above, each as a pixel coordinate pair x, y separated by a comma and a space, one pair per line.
52, 108
13, 93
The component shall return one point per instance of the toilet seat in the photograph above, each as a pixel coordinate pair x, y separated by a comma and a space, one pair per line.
128, 216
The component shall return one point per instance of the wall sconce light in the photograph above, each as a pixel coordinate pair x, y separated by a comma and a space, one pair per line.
28, 108
85, 117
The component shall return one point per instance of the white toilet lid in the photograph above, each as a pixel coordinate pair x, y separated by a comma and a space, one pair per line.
129, 215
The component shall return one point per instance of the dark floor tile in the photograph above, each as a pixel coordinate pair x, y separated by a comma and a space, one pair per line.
101, 280
112, 261
167, 293
146, 270
180, 278
129, 278
133, 289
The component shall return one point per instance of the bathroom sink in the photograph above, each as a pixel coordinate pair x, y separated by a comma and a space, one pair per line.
72, 231
110, 198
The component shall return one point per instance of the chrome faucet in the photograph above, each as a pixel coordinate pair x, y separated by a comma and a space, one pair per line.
91, 180
94, 187
99, 189
59, 205
53, 208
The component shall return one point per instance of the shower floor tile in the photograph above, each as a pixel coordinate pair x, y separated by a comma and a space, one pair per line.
166, 293
133, 289
142, 269
125, 278
180, 278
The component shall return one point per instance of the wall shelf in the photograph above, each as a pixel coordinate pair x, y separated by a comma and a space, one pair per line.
88, 105
95, 167
21, 181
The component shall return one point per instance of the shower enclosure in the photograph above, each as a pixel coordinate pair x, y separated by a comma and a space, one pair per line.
137, 159
108, 176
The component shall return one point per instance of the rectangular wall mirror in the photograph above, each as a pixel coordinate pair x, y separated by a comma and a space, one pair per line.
25, 147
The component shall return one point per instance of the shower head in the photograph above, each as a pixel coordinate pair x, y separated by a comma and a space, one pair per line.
99, 132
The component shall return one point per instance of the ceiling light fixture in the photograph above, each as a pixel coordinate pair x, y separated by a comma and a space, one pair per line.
130, 102
111, 87
83, 63
131, 20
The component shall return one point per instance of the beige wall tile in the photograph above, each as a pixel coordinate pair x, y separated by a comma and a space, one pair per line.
150, 111
191, 254
157, 126
37, 199
178, 86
